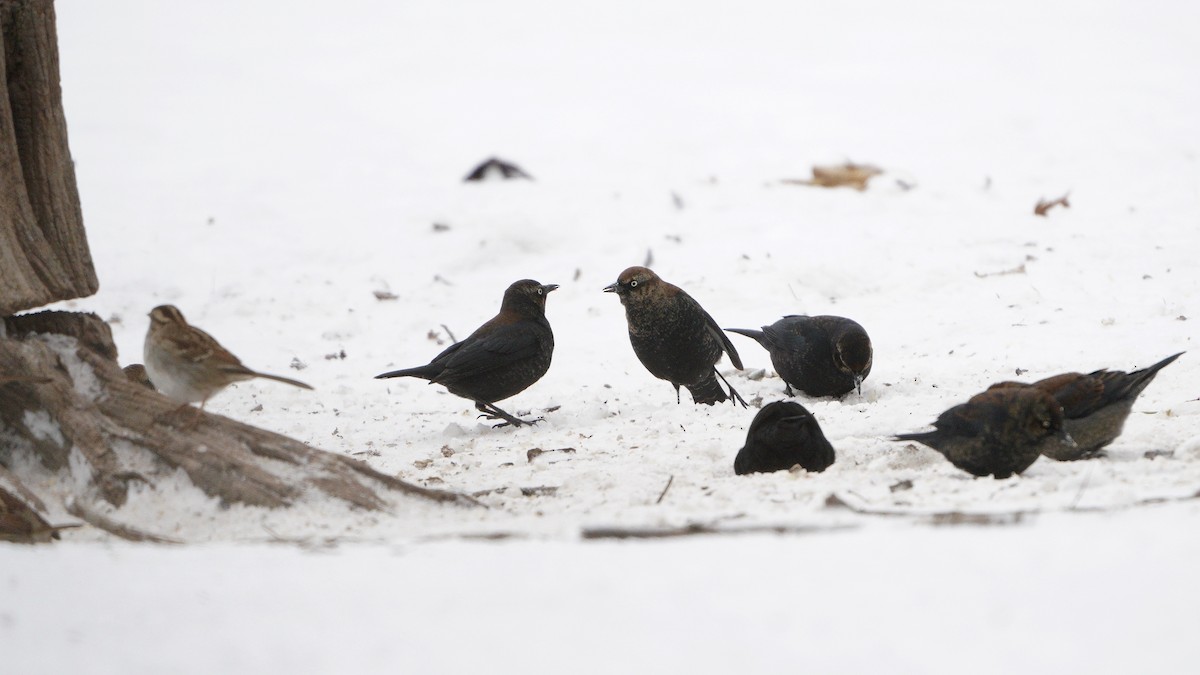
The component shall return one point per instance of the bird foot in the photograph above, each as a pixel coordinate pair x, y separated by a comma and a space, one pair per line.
513, 422
491, 412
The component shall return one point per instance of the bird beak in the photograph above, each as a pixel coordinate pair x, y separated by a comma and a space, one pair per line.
614, 287
550, 287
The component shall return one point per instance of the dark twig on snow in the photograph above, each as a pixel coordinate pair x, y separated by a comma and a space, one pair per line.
692, 529
935, 518
664, 490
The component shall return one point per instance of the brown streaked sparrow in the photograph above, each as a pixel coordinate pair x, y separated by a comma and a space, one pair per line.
188, 365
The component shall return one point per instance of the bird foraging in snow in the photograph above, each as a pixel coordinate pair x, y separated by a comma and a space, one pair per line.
999, 432
1095, 406
819, 355
782, 435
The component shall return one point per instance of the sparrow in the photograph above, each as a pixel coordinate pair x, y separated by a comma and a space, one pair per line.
188, 365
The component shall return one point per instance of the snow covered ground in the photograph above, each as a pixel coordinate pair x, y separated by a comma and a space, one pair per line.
268, 166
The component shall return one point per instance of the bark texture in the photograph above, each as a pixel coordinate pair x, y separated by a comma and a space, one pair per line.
44, 254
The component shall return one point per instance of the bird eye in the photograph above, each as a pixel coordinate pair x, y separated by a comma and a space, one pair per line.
541, 292
633, 284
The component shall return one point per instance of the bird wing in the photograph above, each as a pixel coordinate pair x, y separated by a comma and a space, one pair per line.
194, 345
1079, 395
791, 333
502, 347
722, 337
962, 420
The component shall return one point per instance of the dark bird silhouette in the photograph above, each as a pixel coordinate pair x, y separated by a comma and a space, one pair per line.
496, 167
819, 355
782, 435
1095, 406
998, 432
501, 358
674, 337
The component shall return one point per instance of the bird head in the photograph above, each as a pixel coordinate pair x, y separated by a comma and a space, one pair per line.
633, 283
1045, 416
852, 355
165, 315
527, 293
781, 424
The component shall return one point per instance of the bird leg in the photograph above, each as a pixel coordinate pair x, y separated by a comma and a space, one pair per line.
737, 398
788, 389
491, 412
676, 393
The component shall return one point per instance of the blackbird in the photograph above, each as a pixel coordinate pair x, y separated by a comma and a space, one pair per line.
998, 432
819, 355
1095, 406
501, 358
674, 337
782, 435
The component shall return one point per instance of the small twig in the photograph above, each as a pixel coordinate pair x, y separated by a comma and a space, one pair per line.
664, 490
936, 517
1043, 206
692, 529
103, 522
449, 333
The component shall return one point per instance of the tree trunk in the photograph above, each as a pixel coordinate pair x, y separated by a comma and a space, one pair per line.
44, 255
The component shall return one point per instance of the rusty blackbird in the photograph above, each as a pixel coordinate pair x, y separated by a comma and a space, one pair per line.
782, 435
1095, 406
674, 337
819, 355
998, 432
501, 358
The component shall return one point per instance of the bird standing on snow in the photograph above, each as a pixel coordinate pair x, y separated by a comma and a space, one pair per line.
673, 336
501, 358
998, 432
782, 435
190, 366
819, 355
1095, 406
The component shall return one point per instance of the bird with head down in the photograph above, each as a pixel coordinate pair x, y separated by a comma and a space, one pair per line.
819, 355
